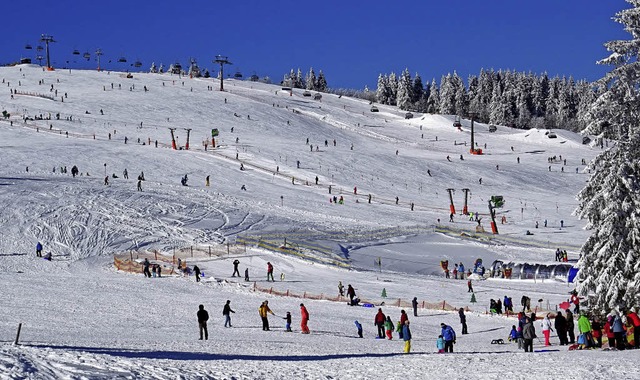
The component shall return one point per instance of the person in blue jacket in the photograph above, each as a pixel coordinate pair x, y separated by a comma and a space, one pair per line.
39, 249
449, 337
359, 327
406, 335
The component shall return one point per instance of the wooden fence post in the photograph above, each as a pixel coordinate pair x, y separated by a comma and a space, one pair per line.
18, 334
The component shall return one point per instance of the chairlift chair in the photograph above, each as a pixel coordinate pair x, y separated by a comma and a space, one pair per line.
76, 52
39, 48
238, 75
457, 123
137, 64
86, 55
122, 59
28, 47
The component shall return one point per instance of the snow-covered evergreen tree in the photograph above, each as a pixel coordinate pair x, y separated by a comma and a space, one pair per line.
610, 259
418, 89
433, 101
447, 95
322, 82
382, 92
392, 83
153, 68
405, 96
311, 80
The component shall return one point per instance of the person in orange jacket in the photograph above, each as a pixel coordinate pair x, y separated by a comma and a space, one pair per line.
304, 319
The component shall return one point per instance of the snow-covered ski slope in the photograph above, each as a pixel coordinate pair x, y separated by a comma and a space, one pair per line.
82, 319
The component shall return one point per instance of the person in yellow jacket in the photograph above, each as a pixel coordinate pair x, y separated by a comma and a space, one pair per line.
263, 310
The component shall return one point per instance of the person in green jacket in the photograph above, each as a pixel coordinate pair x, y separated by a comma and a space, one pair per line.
388, 325
584, 327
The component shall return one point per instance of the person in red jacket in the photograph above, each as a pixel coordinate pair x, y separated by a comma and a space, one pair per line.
596, 331
633, 319
609, 333
379, 321
304, 318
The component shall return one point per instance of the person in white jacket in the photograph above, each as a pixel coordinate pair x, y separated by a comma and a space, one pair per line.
546, 329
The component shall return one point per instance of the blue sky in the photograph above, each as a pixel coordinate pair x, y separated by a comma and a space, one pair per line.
351, 41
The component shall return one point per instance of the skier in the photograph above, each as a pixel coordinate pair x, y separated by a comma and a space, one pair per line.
463, 321
379, 322
39, 249
304, 319
414, 303
287, 325
203, 317
270, 272
226, 311
263, 310
236, 262
196, 270
406, 335
449, 337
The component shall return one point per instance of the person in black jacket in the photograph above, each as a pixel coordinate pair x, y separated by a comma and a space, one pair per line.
226, 311
203, 317
528, 334
236, 262
196, 270
463, 321
560, 324
414, 303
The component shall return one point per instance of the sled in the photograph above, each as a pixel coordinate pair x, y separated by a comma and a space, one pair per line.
366, 304
497, 341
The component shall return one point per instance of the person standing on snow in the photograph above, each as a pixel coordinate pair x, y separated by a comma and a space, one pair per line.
359, 327
414, 304
560, 324
246, 274
270, 272
226, 311
145, 269
449, 336
546, 329
379, 322
584, 327
406, 335
388, 325
351, 292
196, 270
263, 310
39, 249
463, 321
304, 319
236, 262
633, 318
340, 289
528, 334
203, 317
570, 325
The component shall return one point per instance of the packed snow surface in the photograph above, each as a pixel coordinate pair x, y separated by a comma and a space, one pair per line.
83, 319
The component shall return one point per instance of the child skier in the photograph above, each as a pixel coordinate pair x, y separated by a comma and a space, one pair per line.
388, 325
288, 322
440, 344
513, 335
359, 327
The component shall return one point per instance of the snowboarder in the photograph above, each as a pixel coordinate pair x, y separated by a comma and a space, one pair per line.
463, 321
203, 317
270, 272
406, 335
226, 311
379, 322
263, 310
304, 319
449, 336
236, 262
196, 270
414, 304
39, 249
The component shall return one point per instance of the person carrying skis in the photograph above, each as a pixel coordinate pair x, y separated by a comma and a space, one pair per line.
226, 311
263, 310
203, 317
236, 262
379, 322
449, 336
270, 272
304, 319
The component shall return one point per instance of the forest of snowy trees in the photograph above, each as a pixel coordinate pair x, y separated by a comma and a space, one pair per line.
309, 82
509, 98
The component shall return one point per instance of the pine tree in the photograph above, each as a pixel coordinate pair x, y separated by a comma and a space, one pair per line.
433, 101
382, 92
392, 83
322, 82
405, 91
418, 89
311, 80
610, 259
447, 95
